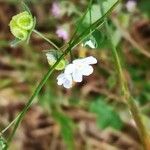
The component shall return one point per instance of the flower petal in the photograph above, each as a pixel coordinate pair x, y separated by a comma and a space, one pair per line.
77, 76
60, 79
67, 84
90, 44
90, 60
77, 61
87, 70
69, 69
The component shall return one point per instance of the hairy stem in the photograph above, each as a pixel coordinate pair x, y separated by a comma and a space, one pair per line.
46, 39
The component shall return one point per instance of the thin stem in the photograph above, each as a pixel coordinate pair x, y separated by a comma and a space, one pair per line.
127, 95
9, 125
81, 21
46, 39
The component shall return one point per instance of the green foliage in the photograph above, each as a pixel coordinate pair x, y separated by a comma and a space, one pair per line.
112, 81
145, 7
101, 39
67, 129
106, 116
3, 144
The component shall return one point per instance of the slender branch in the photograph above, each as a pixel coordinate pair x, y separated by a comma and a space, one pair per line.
129, 38
9, 125
46, 39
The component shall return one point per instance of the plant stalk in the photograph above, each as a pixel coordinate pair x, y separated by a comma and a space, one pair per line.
46, 39
144, 136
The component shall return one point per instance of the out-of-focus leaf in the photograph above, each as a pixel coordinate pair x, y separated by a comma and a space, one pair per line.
67, 129
106, 116
26, 8
145, 7
111, 81
95, 15
124, 19
107, 4
2, 144
67, 7
100, 38
116, 37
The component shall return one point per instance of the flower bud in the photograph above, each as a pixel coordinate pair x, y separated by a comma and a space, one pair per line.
18, 32
21, 24
24, 20
52, 60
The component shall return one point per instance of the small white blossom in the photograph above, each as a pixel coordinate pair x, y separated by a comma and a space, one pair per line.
65, 80
80, 67
90, 43
131, 5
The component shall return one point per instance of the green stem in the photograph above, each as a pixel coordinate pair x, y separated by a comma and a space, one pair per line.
127, 95
46, 39
9, 125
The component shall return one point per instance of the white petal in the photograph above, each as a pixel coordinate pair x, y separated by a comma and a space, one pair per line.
90, 60
90, 44
77, 61
67, 84
60, 76
69, 69
77, 76
65, 80
87, 70
60, 79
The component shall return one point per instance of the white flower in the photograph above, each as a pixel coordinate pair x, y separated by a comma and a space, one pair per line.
80, 67
65, 80
90, 43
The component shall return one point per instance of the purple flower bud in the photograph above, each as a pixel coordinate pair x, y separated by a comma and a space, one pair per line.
56, 10
131, 5
62, 33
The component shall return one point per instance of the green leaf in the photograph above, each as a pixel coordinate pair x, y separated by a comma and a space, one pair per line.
144, 6
112, 81
116, 37
26, 8
106, 116
67, 127
95, 15
101, 39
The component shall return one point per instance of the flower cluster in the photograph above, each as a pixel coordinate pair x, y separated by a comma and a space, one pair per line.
75, 71
21, 24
